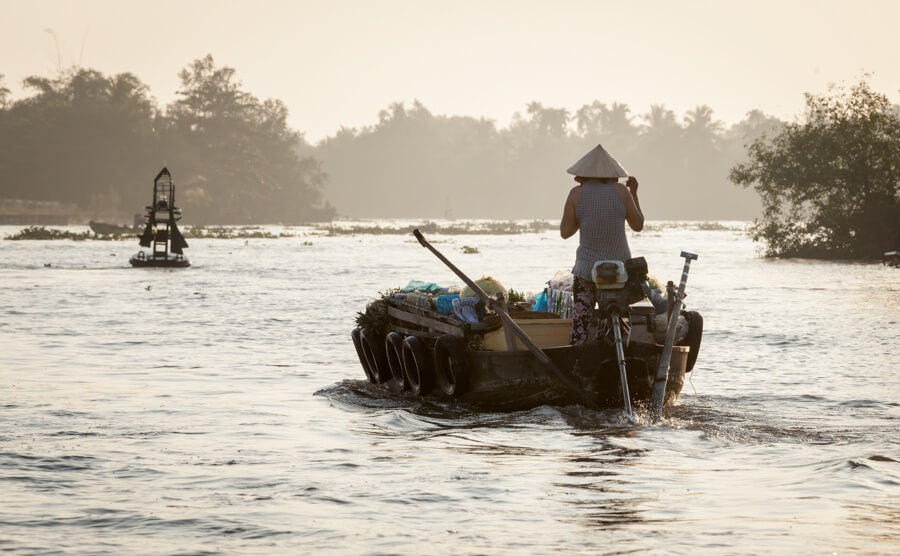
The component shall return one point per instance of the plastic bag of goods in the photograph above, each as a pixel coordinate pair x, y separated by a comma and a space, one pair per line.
562, 280
444, 303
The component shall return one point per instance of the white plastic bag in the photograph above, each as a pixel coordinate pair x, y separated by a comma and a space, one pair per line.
562, 280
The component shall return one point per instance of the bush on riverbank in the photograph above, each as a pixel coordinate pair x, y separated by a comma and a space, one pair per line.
829, 185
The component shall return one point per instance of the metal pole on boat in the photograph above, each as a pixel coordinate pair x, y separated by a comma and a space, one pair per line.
511, 324
662, 373
620, 356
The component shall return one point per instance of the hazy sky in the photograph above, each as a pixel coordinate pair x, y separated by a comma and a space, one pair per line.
337, 63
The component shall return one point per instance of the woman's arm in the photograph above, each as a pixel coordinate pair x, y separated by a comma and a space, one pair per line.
633, 213
569, 223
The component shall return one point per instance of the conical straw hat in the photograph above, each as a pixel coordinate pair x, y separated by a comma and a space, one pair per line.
598, 164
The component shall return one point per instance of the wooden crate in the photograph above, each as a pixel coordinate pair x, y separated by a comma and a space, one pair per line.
553, 332
410, 320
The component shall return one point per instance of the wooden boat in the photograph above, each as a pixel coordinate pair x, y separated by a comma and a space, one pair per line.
429, 354
411, 346
102, 228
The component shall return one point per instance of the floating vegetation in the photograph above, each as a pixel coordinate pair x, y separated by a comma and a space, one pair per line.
470, 250
507, 227
194, 232
113, 237
475, 227
705, 226
40, 232
227, 232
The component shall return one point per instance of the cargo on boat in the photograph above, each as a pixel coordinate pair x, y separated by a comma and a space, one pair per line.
161, 232
406, 344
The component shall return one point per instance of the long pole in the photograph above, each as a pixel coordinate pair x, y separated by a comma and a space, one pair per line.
662, 373
620, 357
511, 324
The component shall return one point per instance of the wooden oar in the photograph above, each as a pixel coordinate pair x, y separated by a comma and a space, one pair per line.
662, 373
508, 322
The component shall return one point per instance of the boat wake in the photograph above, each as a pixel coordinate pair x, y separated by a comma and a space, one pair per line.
362, 396
714, 419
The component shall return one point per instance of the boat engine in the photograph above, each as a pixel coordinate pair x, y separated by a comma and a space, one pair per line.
620, 284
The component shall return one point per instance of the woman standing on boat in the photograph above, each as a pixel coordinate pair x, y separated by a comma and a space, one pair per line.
598, 207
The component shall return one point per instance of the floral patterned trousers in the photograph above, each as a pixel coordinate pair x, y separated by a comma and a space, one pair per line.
584, 297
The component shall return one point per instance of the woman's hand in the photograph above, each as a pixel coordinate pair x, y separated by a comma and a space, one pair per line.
632, 185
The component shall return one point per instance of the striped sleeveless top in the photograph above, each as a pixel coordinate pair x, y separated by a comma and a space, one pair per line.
601, 227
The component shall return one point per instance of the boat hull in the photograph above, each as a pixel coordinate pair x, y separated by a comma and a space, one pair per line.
473, 364
102, 228
516, 380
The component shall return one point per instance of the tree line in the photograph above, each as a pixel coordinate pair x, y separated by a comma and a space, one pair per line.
96, 141
413, 163
86, 138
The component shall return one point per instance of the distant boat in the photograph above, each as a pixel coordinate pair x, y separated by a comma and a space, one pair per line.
161, 233
109, 229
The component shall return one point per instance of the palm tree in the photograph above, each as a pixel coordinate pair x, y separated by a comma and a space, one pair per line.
700, 125
549, 122
587, 119
4, 94
597, 120
616, 120
660, 121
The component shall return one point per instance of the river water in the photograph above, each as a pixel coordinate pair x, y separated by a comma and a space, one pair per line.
220, 409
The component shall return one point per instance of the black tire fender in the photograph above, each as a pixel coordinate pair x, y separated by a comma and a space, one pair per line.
372, 345
356, 334
393, 347
451, 366
417, 365
693, 337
